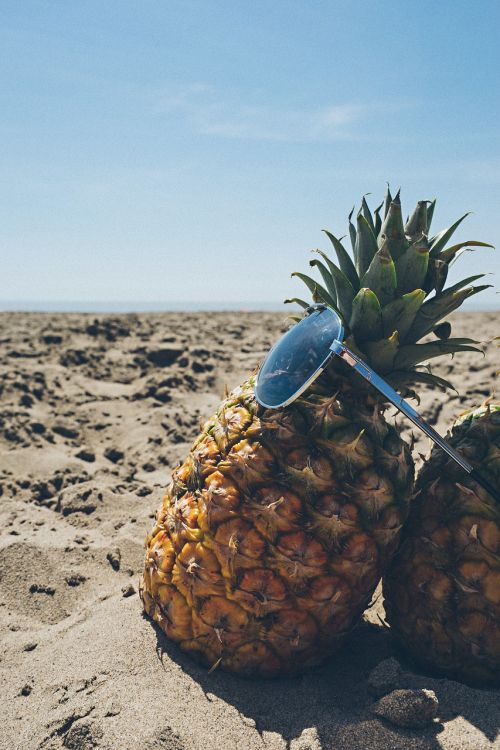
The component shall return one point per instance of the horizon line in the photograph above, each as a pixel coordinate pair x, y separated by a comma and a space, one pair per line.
144, 306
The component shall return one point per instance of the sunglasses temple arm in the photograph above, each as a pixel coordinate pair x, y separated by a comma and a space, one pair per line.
380, 384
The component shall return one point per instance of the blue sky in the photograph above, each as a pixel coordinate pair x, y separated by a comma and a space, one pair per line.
191, 151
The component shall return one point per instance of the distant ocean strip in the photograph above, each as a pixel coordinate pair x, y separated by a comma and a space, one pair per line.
98, 306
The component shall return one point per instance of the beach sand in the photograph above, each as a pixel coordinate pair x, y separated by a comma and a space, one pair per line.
94, 414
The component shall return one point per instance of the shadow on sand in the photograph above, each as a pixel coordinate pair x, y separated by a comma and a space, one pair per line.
333, 702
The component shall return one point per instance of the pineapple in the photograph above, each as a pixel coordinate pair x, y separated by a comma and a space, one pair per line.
275, 531
443, 588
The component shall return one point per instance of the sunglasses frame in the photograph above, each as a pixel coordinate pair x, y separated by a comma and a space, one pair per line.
329, 357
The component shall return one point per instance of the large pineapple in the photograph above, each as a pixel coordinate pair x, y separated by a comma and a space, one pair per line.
443, 587
276, 529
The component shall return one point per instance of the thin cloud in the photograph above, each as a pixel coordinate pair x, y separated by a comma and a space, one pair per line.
210, 114
273, 124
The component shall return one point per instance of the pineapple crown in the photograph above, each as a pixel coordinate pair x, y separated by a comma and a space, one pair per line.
393, 293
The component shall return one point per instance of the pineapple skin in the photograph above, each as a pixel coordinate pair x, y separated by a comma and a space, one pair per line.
442, 590
276, 529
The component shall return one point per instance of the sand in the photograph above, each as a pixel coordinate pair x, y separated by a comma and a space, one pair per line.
94, 415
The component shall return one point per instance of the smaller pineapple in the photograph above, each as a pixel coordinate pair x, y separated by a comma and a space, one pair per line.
442, 591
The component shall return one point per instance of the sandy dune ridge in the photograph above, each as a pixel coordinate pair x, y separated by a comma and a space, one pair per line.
94, 414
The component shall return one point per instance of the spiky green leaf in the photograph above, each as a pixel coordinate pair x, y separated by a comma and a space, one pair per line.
392, 230
352, 232
449, 254
381, 276
430, 214
417, 223
297, 301
327, 278
387, 200
464, 282
343, 288
319, 293
378, 219
411, 266
367, 214
366, 319
344, 259
413, 354
401, 378
438, 308
437, 273
382, 353
366, 245
400, 314
438, 242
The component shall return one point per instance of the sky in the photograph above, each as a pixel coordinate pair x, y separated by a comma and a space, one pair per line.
189, 152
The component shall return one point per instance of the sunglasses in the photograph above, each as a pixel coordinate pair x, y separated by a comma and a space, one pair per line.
304, 352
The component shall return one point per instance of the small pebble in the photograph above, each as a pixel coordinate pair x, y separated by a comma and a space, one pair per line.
128, 590
408, 708
31, 646
114, 557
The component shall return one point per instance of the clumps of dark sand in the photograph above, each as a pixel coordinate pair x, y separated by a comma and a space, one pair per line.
182, 426
83, 736
165, 739
79, 499
37, 588
76, 357
163, 388
150, 389
110, 329
75, 579
201, 360
47, 492
164, 357
187, 371
114, 455
85, 454
51, 339
66, 431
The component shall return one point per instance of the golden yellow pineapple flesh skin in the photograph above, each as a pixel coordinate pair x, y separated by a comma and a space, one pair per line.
443, 588
276, 529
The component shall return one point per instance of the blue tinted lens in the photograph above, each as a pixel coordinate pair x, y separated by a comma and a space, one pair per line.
297, 357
